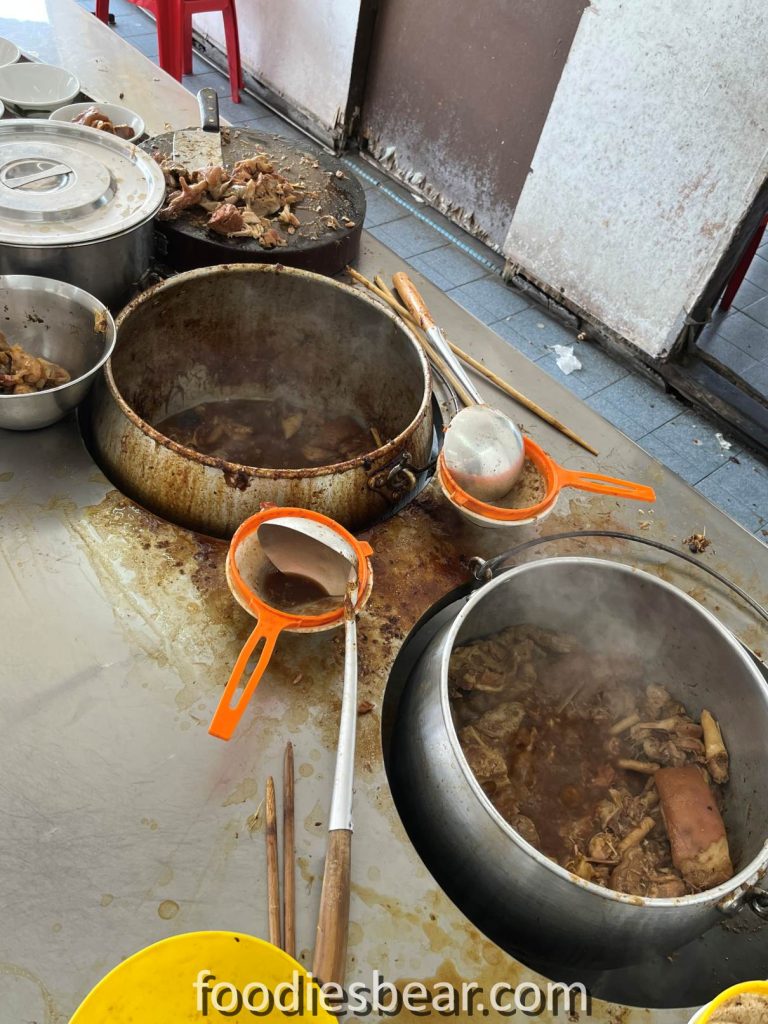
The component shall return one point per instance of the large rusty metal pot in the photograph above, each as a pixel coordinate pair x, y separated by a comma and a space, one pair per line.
245, 331
523, 900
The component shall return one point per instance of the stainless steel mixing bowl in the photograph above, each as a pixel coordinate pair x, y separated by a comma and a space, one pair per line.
65, 325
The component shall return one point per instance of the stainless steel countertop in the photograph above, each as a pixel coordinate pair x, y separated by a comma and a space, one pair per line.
124, 822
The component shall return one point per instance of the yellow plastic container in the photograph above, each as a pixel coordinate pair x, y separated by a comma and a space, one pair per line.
759, 988
191, 978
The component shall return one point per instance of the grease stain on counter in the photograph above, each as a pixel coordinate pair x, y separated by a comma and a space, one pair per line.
166, 875
51, 1013
314, 821
168, 909
307, 874
356, 934
244, 791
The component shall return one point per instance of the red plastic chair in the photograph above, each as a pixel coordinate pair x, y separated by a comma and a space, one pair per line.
740, 271
174, 34
231, 35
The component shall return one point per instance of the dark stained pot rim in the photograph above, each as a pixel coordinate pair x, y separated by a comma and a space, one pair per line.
235, 468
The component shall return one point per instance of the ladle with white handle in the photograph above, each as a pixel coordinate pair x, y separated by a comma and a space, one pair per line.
306, 548
483, 448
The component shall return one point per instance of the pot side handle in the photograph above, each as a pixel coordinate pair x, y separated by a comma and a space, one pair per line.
749, 894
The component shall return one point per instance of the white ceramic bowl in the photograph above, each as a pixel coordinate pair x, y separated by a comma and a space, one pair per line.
115, 113
9, 52
37, 86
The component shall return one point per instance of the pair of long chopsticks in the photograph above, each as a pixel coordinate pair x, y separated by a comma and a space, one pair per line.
288, 922
383, 292
379, 287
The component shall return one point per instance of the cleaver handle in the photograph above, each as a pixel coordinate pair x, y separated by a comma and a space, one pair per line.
208, 101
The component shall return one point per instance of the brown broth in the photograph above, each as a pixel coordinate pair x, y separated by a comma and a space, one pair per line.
273, 434
291, 592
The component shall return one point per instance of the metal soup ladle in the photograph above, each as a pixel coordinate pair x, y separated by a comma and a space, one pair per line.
306, 548
248, 570
483, 447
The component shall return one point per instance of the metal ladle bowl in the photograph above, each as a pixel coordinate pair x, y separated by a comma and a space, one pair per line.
483, 448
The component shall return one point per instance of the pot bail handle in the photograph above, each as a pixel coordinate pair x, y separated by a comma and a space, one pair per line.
227, 715
484, 570
598, 483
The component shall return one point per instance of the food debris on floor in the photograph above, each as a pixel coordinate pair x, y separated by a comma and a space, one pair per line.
565, 359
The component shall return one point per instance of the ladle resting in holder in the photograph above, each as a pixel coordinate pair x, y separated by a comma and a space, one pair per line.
483, 447
248, 567
554, 478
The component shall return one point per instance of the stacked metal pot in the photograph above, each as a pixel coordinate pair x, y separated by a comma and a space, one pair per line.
76, 205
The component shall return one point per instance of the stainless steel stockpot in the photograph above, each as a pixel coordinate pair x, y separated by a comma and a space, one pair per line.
523, 900
76, 205
249, 331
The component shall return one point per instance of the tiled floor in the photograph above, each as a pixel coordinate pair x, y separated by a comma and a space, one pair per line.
739, 338
688, 443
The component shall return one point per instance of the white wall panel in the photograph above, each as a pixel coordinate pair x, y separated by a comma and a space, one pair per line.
301, 49
655, 145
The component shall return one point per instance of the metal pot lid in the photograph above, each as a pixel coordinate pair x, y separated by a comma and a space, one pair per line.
65, 184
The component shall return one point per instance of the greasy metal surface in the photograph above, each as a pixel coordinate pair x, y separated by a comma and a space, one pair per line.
468, 149
330, 191
130, 822
125, 821
242, 331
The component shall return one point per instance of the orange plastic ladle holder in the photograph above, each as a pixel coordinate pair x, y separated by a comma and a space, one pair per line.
556, 477
270, 621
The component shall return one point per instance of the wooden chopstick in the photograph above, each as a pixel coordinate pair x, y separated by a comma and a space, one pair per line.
379, 287
494, 378
273, 881
431, 352
289, 855
521, 398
